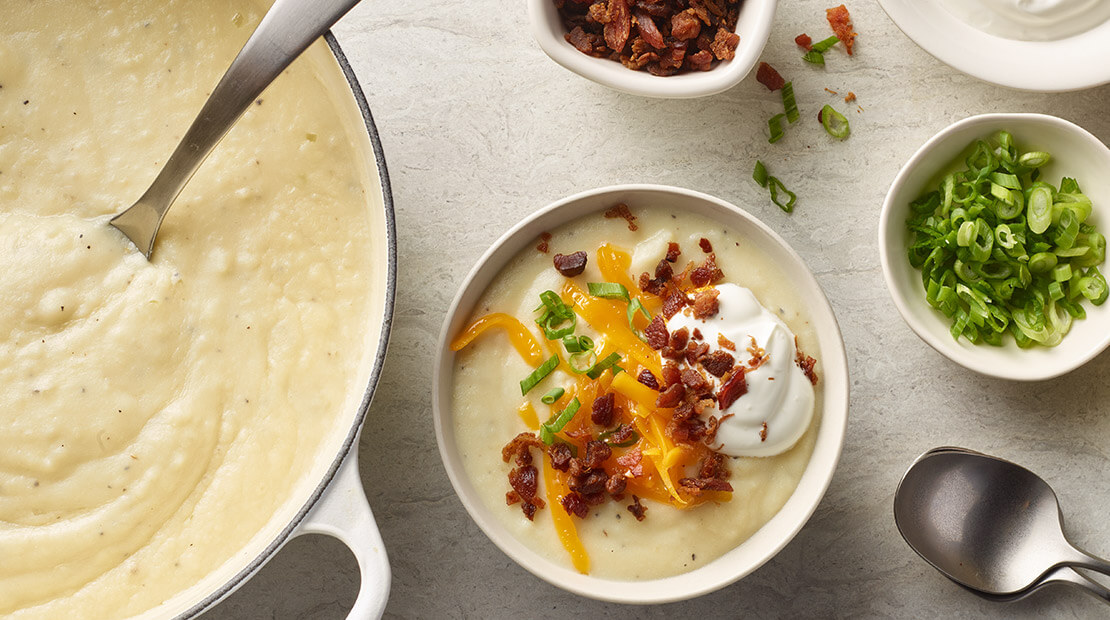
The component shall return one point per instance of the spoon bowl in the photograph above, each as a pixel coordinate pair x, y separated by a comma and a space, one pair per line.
986, 523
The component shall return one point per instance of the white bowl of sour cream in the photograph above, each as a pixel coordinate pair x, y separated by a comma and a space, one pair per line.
481, 486
1038, 45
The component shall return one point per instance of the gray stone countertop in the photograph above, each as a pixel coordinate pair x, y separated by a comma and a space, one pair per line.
480, 129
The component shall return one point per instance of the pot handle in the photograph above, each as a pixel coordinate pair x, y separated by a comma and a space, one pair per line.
344, 513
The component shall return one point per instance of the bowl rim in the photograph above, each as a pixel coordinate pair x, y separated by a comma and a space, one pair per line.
1039, 66
887, 233
548, 34
784, 525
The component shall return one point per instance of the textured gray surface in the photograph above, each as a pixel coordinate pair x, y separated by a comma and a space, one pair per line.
480, 128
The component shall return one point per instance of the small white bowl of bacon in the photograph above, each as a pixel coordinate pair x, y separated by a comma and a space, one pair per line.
655, 49
640, 393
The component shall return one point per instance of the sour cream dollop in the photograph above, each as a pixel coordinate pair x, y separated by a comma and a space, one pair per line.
778, 406
1031, 20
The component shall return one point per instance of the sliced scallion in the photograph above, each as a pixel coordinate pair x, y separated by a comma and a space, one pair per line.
608, 290
788, 102
835, 123
599, 368
553, 395
774, 124
538, 374
558, 422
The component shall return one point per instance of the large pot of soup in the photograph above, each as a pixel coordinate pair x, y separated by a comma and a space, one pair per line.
168, 425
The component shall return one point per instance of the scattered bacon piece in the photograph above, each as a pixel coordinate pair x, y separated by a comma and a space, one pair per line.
767, 76
763, 432
637, 509
697, 334
713, 467
597, 452
679, 338
633, 461
733, 388
518, 447
841, 23
581, 40
589, 484
623, 433
671, 374
725, 343
850, 98
616, 485
671, 396
672, 252
804, 41
602, 413
621, 210
656, 333
525, 483
648, 379
570, 265
806, 363
705, 245
574, 505
695, 486
718, 363
560, 455
831, 91
706, 304
693, 379
673, 303
707, 273
544, 239
647, 29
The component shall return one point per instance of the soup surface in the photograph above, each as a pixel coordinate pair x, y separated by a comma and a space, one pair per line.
487, 395
156, 417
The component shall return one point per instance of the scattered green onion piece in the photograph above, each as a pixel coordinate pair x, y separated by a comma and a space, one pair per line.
599, 368
774, 124
788, 102
633, 308
825, 45
835, 124
582, 362
776, 186
608, 290
558, 422
538, 374
555, 314
760, 174
814, 57
552, 396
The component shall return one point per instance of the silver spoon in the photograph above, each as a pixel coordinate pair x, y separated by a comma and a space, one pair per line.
989, 525
287, 29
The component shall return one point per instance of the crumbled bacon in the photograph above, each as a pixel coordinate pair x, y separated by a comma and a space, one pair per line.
645, 377
518, 447
616, 485
850, 98
657, 285
633, 462
695, 486
804, 41
525, 483
713, 466
623, 433
574, 505
763, 432
685, 25
671, 396
648, 30
589, 483
733, 388
705, 245
597, 452
724, 44
622, 210
560, 455
619, 25
707, 273
706, 304
806, 363
718, 363
656, 333
544, 239
693, 380
841, 23
694, 352
602, 410
767, 76
570, 265
679, 338
673, 252
673, 303
697, 334
758, 353
671, 374
725, 343
637, 509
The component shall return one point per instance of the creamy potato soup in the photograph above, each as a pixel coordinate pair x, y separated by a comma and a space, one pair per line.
689, 517
155, 416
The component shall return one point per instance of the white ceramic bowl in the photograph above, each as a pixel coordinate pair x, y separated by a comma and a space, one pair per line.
1075, 153
1065, 64
773, 536
754, 26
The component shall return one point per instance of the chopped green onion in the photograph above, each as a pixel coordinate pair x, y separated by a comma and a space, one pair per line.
774, 124
814, 57
760, 174
599, 368
608, 290
1034, 159
776, 186
553, 395
788, 102
582, 361
577, 344
538, 374
835, 124
555, 314
633, 308
558, 422
825, 45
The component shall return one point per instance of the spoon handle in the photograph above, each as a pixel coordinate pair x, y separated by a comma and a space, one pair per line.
1066, 574
287, 29
1082, 559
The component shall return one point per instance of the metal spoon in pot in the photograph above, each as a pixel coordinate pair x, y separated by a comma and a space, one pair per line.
287, 29
989, 525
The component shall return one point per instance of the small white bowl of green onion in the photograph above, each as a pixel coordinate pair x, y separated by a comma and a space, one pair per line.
992, 244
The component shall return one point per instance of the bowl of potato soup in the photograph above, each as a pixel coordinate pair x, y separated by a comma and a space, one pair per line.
640, 393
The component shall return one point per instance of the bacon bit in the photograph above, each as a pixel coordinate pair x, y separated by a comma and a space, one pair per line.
697, 334
706, 304
560, 455
622, 210
718, 363
804, 41
831, 91
511, 498
656, 333
633, 461
570, 265
806, 363
648, 379
693, 379
714, 465
733, 388
648, 31
671, 396
695, 486
623, 433
602, 411
544, 239
673, 252
525, 483
619, 25
705, 245
695, 352
850, 98
616, 485
671, 374
574, 505
518, 447
763, 432
767, 76
724, 44
637, 509
589, 484
657, 285
673, 303
685, 25
841, 23
759, 355
708, 273
679, 338
725, 343
711, 426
